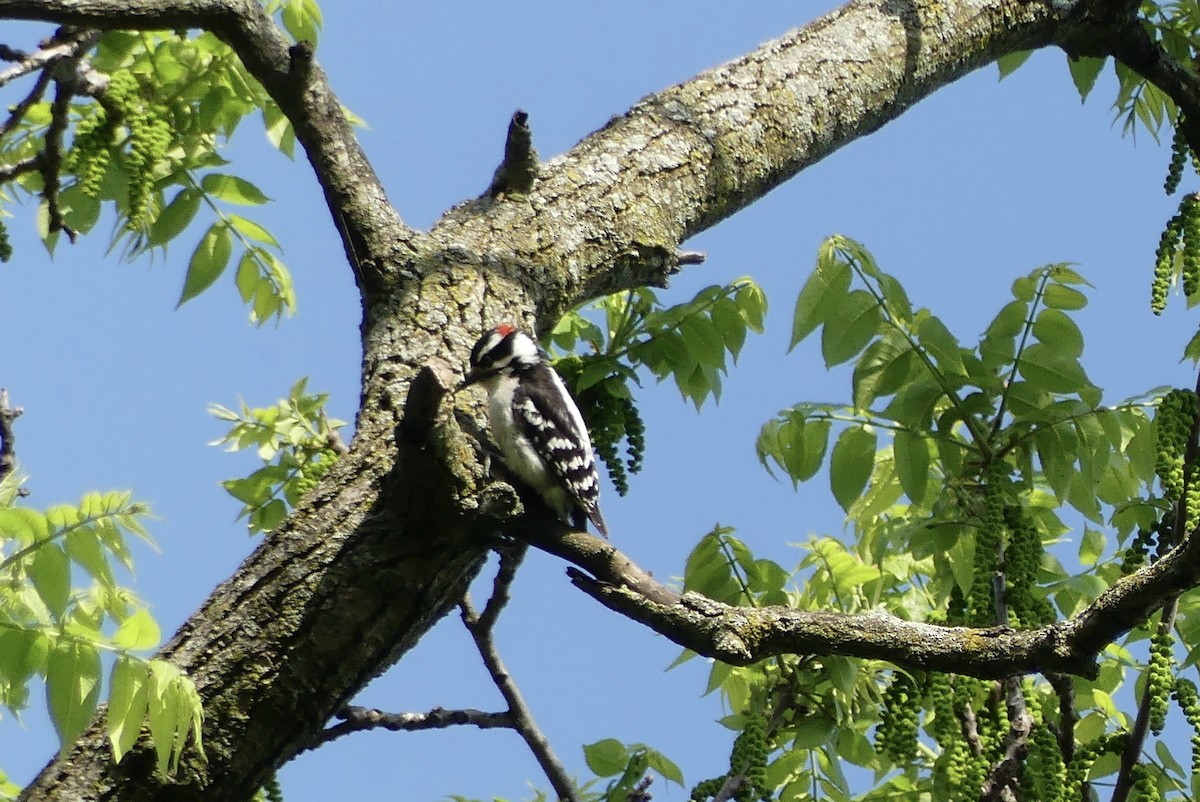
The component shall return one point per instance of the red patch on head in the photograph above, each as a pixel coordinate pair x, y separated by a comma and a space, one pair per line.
504, 329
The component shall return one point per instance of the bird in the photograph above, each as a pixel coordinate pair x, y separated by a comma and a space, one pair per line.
537, 425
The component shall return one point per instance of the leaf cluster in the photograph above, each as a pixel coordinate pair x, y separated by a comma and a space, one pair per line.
56, 629
960, 468
690, 342
146, 147
297, 444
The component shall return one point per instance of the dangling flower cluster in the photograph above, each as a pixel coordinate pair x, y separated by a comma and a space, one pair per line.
1085, 755
748, 760
1160, 679
1189, 702
1144, 789
1022, 559
311, 471
95, 137
899, 711
981, 606
1045, 775
1137, 553
91, 152
1173, 424
149, 138
611, 416
1183, 227
1180, 153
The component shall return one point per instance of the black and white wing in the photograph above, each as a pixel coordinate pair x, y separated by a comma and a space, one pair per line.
558, 434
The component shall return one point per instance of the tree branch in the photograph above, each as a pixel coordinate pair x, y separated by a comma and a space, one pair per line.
745, 635
361, 719
480, 627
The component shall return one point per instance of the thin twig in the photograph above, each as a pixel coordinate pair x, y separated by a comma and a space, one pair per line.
511, 556
19, 110
361, 719
522, 719
51, 161
1064, 688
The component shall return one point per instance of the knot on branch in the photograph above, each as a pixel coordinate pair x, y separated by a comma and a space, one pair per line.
647, 264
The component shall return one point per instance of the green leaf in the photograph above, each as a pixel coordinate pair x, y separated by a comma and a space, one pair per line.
813, 731
885, 366
703, 340
728, 320
83, 546
279, 130
848, 331
606, 758
941, 344
752, 302
50, 571
802, 446
912, 463
23, 653
208, 262
1047, 369
1091, 547
139, 631
72, 688
1056, 329
1084, 72
1009, 63
252, 230
173, 711
25, 525
851, 463
1192, 349
1056, 296
299, 22
175, 217
820, 299
232, 189
127, 704
247, 278
664, 766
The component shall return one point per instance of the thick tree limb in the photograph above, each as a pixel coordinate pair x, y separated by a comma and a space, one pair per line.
744, 635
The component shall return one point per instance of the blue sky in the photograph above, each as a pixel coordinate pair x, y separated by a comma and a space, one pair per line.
983, 182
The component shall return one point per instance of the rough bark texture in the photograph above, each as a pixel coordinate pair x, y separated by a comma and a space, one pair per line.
390, 540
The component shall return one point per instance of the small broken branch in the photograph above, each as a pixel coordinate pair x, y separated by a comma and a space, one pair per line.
518, 171
361, 719
70, 45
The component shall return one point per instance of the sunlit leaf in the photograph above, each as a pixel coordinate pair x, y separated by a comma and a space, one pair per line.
208, 261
